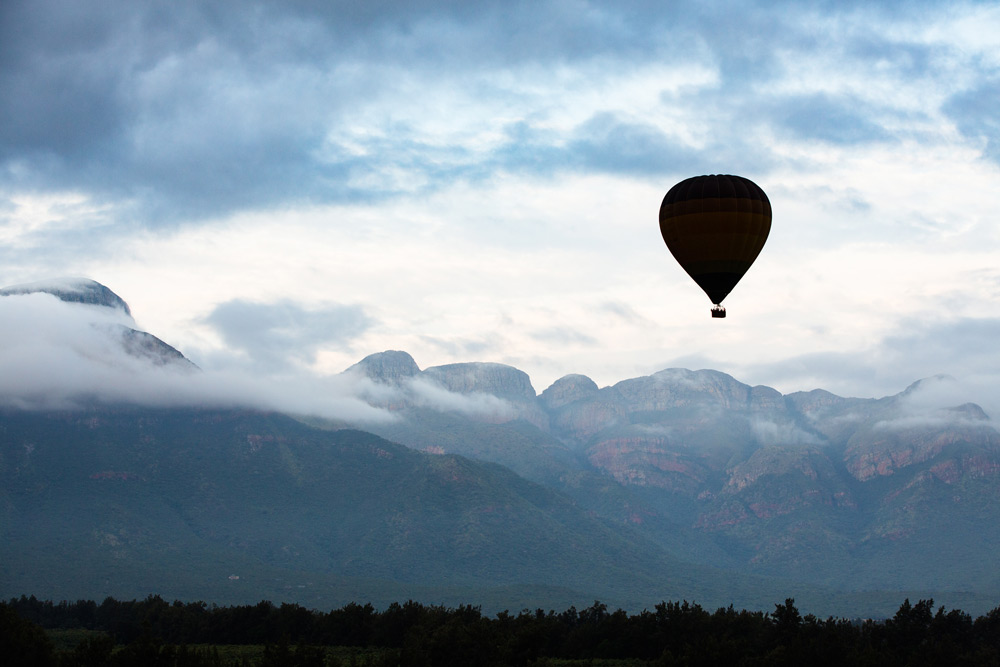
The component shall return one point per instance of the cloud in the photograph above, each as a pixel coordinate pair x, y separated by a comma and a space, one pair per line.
771, 433
940, 401
60, 84
464, 348
58, 355
173, 112
424, 392
563, 336
625, 312
956, 357
840, 372
609, 144
937, 420
840, 121
974, 112
961, 347
272, 335
427, 393
189, 112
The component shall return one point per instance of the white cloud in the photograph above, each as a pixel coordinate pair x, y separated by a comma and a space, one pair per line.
58, 355
426, 393
930, 403
770, 433
654, 430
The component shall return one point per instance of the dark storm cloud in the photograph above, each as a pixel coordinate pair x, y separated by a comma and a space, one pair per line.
184, 109
60, 92
180, 110
272, 334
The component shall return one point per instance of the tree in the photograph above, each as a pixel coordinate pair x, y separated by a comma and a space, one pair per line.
22, 642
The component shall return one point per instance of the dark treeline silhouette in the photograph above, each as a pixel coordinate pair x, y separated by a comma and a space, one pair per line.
155, 632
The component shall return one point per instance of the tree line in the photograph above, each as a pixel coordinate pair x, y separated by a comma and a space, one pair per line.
155, 632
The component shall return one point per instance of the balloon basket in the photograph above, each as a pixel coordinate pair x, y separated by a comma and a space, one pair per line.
718, 311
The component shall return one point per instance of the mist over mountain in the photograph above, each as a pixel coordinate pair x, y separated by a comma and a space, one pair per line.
110, 318
72, 343
126, 470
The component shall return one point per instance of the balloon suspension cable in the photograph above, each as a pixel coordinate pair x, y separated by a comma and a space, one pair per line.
718, 311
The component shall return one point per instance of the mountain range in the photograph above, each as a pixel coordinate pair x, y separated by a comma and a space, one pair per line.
853, 493
476, 488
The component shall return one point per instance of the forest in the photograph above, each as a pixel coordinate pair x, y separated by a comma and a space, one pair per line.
155, 632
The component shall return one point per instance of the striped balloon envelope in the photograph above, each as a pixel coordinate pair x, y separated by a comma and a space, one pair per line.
715, 226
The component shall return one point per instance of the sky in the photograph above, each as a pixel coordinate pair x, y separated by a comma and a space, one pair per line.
279, 189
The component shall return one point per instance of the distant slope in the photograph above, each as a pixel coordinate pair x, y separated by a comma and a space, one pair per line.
127, 502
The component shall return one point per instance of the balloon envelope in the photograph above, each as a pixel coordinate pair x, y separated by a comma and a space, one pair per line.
715, 226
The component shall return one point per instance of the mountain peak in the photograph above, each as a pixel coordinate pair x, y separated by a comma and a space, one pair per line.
72, 290
928, 382
387, 367
567, 389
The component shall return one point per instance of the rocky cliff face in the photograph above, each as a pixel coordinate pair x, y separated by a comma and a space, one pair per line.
807, 477
649, 460
497, 380
577, 422
146, 346
889, 446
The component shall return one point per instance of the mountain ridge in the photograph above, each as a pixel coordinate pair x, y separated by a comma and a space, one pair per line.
803, 483
691, 467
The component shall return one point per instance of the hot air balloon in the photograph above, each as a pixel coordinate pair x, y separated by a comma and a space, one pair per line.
715, 226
